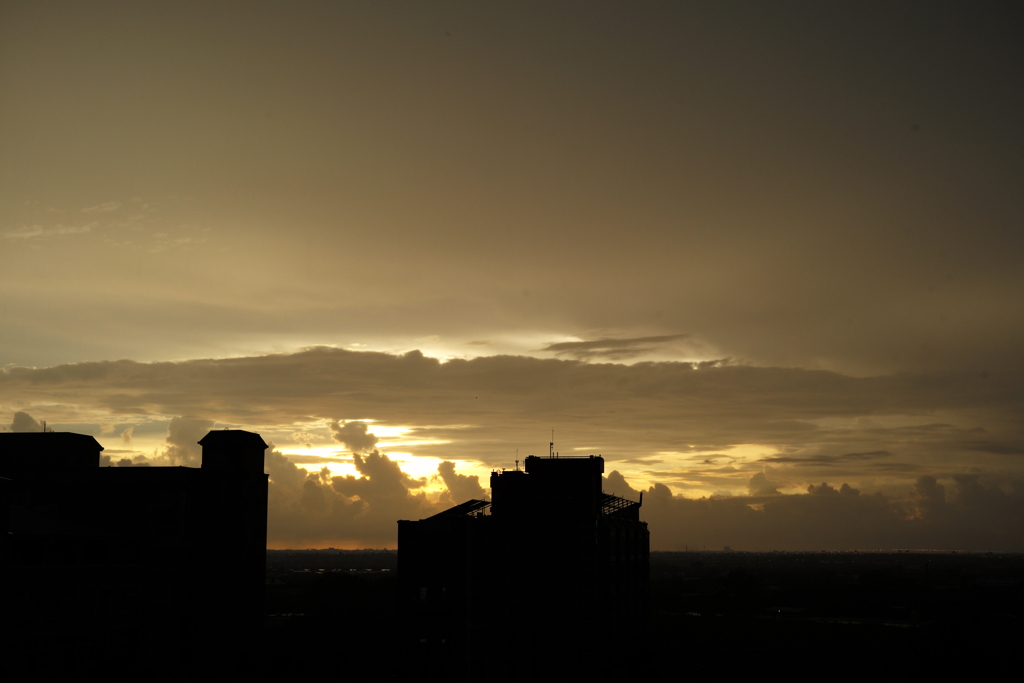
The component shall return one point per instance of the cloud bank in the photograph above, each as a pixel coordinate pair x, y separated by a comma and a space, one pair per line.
727, 454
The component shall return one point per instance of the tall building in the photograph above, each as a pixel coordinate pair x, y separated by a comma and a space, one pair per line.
101, 565
548, 579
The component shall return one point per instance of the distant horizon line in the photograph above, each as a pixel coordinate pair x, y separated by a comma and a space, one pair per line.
721, 551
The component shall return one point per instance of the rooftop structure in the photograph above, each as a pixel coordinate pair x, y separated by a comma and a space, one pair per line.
537, 574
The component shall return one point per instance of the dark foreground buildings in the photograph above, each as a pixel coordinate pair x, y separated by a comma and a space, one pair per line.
546, 581
149, 567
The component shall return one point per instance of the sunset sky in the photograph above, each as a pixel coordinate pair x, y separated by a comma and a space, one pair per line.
748, 252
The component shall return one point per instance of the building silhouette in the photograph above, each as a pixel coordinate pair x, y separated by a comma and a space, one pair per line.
547, 580
147, 565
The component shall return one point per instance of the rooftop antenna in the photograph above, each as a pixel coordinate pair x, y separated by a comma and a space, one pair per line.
44, 425
517, 460
551, 445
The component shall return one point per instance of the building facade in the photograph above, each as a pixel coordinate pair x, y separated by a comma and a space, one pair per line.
107, 565
548, 579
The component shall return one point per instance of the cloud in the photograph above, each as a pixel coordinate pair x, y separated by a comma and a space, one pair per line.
300, 459
354, 436
484, 406
928, 498
995, 448
826, 459
824, 489
381, 476
34, 231
760, 486
461, 487
974, 511
314, 508
612, 349
105, 207
317, 509
283, 472
183, 435
305, 437
617, 485
23, 422
982, 515
661, 423
303, 511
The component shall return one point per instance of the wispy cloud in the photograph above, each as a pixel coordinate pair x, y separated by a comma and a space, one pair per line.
612, 349
826, 459
38, 231
105, 207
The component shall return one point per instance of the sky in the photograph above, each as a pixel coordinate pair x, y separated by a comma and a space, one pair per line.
764, 258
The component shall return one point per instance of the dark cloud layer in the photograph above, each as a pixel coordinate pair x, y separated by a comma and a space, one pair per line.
814, 417
611, 349
975, 515
907, 437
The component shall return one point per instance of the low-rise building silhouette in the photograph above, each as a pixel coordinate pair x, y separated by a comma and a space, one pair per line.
116, 563
548, 579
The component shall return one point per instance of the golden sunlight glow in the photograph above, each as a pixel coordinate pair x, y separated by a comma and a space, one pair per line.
697, 474
415, 467
520, 343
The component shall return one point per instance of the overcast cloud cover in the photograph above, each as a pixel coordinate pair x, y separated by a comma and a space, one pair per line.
748, 252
